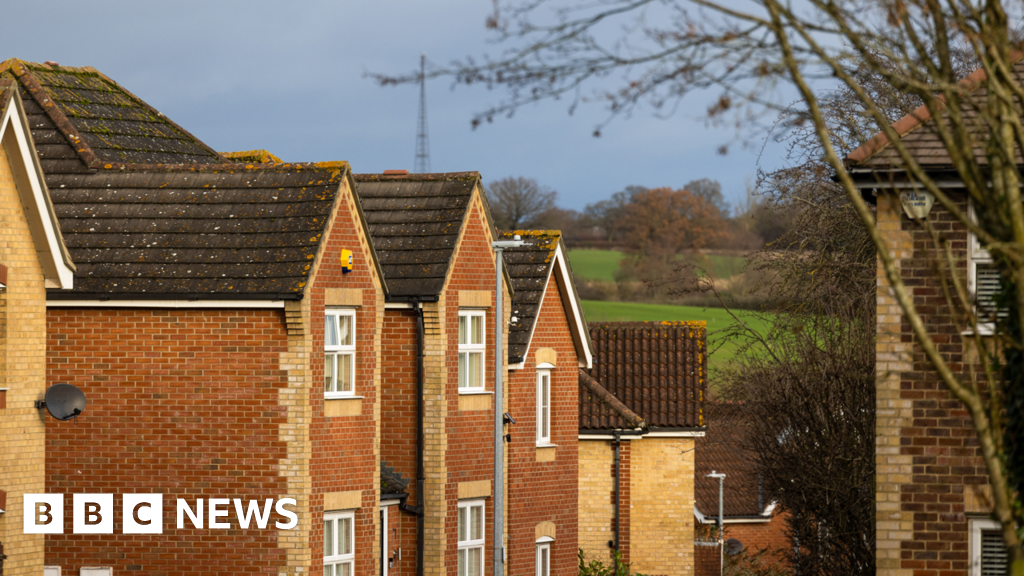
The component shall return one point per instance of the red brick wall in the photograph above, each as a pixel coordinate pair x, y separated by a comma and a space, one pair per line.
470, 433
940, 439
398, 422
545, 491
180, 402
343, 456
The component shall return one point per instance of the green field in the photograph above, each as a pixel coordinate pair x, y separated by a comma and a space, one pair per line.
718, 319
602, 264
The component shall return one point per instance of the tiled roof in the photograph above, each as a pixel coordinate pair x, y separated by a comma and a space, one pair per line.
81, 121
918, 133
601, 410
391, 481
720, 450
252, 156
193, 233
528, 268
414, 222
656, 369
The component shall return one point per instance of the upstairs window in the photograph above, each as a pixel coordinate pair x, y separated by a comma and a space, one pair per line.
544, 406
988, 553
983, 282
339, 353
471, 350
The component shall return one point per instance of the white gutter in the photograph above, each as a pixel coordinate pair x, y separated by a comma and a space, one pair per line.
165, 303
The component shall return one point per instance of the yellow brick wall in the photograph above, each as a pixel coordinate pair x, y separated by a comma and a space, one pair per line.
892, 358
22, 428
596, 504
661, 523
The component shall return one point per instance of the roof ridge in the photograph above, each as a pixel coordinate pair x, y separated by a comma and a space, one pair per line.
920, 115
373, 177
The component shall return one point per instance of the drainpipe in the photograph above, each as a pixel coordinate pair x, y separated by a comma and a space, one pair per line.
618, 492
420, 507
721, 518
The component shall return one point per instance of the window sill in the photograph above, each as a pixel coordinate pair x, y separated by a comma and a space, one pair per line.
984, 329
547, 445
471, 392
336, 396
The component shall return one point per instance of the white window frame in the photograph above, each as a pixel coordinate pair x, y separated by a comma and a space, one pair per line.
471, 543
976, 255
341, 559
332, 314
51, 570
465, 349
543, 546
977, 525
543, 402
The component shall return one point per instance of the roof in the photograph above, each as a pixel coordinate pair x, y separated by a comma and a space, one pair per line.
602, 410
529, 269
391, 482
414, 222
720, 450
656, 369
246, 233
82, 120
16, 137
252, 156
918, 133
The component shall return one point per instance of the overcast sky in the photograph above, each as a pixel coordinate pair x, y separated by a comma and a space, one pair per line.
289, 77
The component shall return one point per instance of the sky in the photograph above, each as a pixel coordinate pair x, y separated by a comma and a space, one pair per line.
290, 78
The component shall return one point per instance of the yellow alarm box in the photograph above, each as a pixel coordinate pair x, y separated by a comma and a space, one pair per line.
346, 261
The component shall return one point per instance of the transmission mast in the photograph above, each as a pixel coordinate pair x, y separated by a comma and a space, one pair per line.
422, 164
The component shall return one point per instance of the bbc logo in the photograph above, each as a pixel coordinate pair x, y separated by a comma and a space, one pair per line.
143, 513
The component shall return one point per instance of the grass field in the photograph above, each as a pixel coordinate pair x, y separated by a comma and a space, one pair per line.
717, 319
602, 264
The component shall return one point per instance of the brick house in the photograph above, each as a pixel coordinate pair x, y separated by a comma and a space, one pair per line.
749, 516
548, 344
32, 258
931, 484
641, 408
196, 329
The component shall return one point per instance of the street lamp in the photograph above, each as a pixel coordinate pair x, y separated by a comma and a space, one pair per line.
499, 412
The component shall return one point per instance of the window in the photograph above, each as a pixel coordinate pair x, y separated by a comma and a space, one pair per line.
51, 570
544, 557
471, 350
983, 281
988, 554
95, 571
339, 353
471, 538
543, 406
339, 535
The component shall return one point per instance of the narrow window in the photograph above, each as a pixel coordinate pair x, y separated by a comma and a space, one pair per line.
543, 407
471, 350
471, 538
339, 353
543, 559
339, 538
983, 282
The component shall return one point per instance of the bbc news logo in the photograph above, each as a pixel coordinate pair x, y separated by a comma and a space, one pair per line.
143, 513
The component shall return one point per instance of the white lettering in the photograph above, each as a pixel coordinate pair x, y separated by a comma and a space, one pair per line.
197, 518
279, 508
216, 513
253, 511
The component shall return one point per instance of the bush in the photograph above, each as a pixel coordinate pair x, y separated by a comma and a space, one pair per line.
597, 568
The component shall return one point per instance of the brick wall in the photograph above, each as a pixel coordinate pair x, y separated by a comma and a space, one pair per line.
344, 448
469, 441
22, 369
929, 474
596, 516
661, 519
545, 491
180, 402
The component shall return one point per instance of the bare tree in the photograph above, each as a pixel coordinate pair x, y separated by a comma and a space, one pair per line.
759, 53
711, 191
518, 202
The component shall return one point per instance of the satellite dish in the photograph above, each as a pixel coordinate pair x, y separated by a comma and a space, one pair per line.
64, 401
733, 546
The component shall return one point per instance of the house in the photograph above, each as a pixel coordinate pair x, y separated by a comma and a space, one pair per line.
749, 516
32, 258
548, 343
641, 408
225, 327
931, 488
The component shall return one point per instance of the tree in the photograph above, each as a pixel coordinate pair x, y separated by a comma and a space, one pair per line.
518, 202
607, 213
758, 54
711, 191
